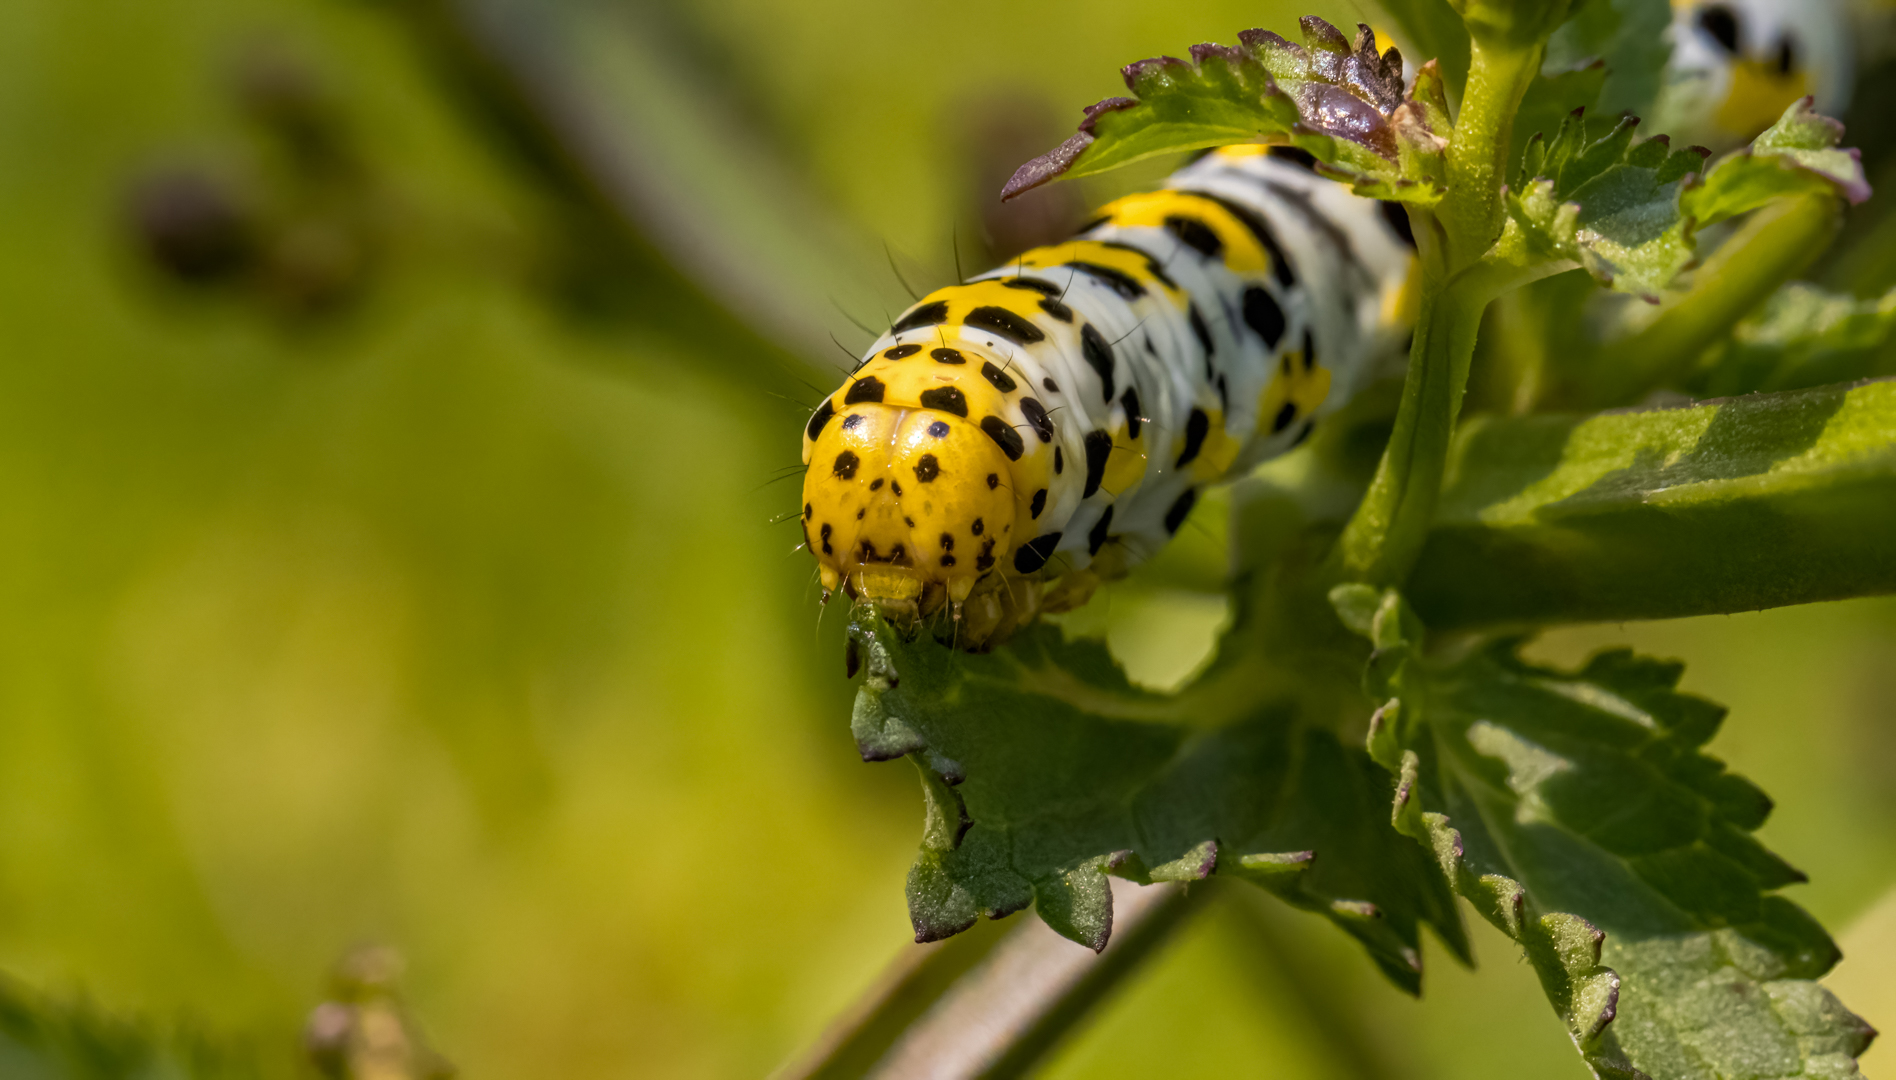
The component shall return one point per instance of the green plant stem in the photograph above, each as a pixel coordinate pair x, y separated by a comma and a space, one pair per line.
912, 985
993, 1001
1385, 535
1773, 246
1498, 77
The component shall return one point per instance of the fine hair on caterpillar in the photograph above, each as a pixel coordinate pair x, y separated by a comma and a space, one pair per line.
1011, 441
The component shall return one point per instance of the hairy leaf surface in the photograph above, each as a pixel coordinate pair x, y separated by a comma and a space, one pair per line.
1720, 506
1579, 814
1627, 211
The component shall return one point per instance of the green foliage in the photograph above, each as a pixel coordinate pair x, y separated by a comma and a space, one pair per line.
45, 1039
1342, 102
1732, 505
1797, 155
1609, 205
1044, 771
1577, 813
1624, 41
1628, 211
1802, 336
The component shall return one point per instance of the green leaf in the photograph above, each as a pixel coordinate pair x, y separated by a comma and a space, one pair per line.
1610, 205
1341, 102
1579, 815
1044, 771
1626, 39
1551, 98
1628, 211
42, 1037
1798, 154
1721, 506
1802, 336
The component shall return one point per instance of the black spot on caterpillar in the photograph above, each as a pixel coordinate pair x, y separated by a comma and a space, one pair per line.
818, 418
868, 388
1195, 234
925, 315
1254, 224
1096, 536
1123, 284
1099, 356
1044, 288
1004, 434
1197, 426
1182, 507
946, 399
1034, 554
1099, 446
1037, 418
1006, 324
1262, 314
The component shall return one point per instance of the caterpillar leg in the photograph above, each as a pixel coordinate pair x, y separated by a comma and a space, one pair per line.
1069, 591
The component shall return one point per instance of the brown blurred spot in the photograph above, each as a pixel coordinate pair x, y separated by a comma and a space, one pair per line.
993, 134
192, 225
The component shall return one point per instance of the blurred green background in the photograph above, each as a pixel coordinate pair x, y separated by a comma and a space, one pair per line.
415, 584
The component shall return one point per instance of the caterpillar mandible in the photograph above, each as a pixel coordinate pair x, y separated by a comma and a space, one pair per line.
1056, 417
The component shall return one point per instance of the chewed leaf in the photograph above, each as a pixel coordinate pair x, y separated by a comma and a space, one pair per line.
1799, 154
1335, 99
1043, 772
1578, 814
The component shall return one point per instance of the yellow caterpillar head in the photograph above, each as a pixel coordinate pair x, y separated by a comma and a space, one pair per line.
905, 505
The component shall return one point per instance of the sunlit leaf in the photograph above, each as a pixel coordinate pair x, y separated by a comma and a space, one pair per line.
1577, 812
1797, 155
1724, 506
1340, 101
1628, 211
1610, 205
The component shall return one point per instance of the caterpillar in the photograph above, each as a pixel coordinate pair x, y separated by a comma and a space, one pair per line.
1736, 65
1013, 440
1055, 418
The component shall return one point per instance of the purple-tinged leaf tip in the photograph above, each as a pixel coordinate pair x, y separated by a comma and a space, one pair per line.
1047, 166
1141, 71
